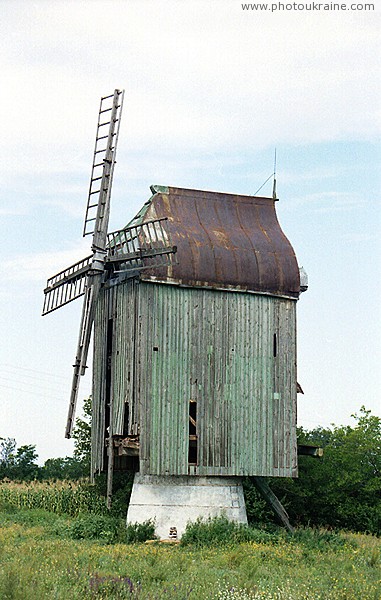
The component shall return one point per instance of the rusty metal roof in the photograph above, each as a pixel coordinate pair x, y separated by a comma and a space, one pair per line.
224, 241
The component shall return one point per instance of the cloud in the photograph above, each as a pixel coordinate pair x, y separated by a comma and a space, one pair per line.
12, 210
201, 76
37, 267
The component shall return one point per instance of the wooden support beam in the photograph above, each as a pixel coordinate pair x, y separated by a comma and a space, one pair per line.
127, 446
264, 489
313, 451
110, 472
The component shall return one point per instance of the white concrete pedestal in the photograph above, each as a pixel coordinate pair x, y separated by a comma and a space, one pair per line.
172, 501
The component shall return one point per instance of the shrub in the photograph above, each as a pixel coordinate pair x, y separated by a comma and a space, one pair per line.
258, 512
216, 531
140, 532
98, 527
342, 489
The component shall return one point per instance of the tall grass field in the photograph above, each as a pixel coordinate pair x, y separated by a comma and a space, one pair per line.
55, 543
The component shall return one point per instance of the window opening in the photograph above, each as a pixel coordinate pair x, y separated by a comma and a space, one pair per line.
192, 451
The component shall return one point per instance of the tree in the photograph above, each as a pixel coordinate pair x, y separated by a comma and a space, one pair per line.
78, 465
62, 468
18, 463
82, 437
7, 451
26, 467
7, 456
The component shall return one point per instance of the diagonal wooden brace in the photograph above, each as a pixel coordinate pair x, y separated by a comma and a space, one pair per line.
264, 489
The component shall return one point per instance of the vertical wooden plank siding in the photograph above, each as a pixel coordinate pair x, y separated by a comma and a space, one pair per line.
172, 345
99, 383
217, 348
123, 372
164, 385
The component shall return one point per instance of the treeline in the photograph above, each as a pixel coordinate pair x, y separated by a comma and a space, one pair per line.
20, 464
341, 490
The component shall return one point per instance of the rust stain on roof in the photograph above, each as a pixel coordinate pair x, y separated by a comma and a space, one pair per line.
225, 241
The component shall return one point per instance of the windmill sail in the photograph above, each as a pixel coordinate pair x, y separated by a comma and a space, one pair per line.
106, 139
141, 246
65, 286
96, 223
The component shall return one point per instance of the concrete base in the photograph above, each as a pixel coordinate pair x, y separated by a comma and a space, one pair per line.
172, 501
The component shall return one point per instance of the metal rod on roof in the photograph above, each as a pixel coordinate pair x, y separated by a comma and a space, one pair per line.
264, 183
274, 175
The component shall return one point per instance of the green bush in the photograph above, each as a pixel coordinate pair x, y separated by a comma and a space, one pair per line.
121, 491
216, 531
140, 532
99, 527
258, 512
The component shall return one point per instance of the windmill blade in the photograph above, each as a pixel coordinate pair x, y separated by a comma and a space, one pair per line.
96, 223
93, 285
85, 276
67, 285
141, 246
106, 139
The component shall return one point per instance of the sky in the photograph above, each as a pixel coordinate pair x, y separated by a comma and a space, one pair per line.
211, 90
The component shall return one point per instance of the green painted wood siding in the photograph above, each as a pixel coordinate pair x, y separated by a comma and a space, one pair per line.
123, 360
172, 345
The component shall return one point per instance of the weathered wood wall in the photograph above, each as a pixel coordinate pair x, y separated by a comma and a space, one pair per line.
104, 307
233, 353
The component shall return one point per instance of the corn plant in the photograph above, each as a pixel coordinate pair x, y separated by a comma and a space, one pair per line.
61, 497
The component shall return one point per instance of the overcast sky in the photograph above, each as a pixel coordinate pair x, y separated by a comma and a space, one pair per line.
211, 90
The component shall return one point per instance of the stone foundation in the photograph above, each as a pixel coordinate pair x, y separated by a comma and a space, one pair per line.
172, 501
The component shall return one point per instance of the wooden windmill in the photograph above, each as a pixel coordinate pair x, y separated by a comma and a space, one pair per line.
194, 368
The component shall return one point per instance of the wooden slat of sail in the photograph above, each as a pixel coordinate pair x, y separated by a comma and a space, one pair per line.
67, 285
143, 246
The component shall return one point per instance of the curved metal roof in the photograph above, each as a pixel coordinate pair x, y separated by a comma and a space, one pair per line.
223, 241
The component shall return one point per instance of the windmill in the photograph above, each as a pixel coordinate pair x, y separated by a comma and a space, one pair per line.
193, 308
131, 248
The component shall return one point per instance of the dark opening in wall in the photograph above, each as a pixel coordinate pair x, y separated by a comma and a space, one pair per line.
192, 449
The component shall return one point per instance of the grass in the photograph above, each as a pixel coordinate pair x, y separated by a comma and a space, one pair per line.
48, 555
